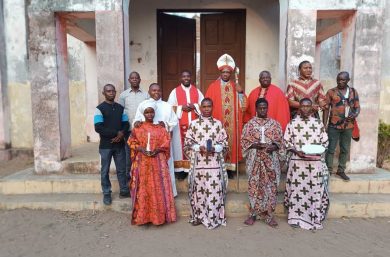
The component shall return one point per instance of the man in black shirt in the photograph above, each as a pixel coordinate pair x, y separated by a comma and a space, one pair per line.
111, 123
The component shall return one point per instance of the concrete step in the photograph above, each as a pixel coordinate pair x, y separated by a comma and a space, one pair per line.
342, 205
26, 182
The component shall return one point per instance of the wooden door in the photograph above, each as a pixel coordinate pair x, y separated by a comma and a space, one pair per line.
221, 33
176, 50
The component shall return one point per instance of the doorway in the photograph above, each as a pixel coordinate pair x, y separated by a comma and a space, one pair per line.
195, 42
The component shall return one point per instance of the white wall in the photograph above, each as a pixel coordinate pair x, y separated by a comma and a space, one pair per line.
262, 35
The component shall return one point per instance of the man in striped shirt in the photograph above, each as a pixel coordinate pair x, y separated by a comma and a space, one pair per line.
111, 123
130, 99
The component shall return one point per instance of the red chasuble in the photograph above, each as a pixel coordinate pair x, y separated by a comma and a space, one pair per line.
278, 108
184, 122
224, 109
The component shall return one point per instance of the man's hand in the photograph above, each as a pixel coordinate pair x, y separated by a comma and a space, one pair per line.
137, 124
119, 137
203, 150
271, 148
258, 146
162, 124
188, 107
239, 89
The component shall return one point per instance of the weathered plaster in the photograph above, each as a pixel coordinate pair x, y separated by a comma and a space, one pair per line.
324, 5
301, 41
366, 79
5, 138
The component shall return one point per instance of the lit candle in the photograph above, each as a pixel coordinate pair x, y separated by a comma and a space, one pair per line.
148, 144
262, 135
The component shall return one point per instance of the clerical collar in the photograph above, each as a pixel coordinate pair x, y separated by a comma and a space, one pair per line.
223, 83
184, 87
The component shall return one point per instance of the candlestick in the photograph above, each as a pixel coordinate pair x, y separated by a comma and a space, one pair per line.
148, 144
262, 135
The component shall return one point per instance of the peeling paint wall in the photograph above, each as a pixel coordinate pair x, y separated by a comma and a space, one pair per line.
77, 98
262, 35
385, 78
329, 64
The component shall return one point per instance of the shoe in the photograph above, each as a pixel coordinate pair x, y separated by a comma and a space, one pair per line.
342, 175
181, 175
107, 200
124, 195
231, 174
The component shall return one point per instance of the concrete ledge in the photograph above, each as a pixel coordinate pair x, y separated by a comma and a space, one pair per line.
342, 205
26, 182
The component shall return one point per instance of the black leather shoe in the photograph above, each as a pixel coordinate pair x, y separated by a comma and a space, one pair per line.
124, 195
342, 175
107, 200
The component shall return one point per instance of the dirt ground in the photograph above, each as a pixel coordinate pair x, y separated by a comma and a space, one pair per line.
52, 233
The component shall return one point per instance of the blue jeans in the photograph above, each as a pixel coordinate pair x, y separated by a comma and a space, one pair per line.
120, 164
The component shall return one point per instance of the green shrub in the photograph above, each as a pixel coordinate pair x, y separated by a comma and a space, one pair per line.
383, 144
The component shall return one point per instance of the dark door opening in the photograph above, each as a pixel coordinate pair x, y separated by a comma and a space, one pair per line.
221, 31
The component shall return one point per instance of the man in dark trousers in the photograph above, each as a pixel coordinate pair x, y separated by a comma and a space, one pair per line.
112, 123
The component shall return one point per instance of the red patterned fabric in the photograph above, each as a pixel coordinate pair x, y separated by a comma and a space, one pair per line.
150, 185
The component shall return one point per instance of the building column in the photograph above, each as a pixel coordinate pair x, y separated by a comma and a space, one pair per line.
5, 117
110, 50
301, 40
92, 91
49, 90
366, 76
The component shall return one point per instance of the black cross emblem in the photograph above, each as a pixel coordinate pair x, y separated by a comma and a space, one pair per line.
304, 190
209, 209
305, 206
194, 129
213, 136
200, 136
311, 184
297, 197
207, 160
212, 121
307, 135
296, 183
199, 176
214, 200
300, 143
209, 224
299, 127
299, 212
214, 217
207, 177
291, 205
309, 168
313, 127
200, 121
302, 175
311, 199
218, 207
218, 129
201, 190
219, 192
207, 128
295, 167
214, 184
198, 211
208, 192
289, 182
312, 217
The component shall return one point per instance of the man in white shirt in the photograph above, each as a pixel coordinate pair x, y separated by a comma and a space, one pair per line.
185, 99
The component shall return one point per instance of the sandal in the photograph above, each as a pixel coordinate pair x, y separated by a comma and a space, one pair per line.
250, 220
272, 223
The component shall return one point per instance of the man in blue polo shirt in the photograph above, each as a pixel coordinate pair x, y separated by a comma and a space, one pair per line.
112, 123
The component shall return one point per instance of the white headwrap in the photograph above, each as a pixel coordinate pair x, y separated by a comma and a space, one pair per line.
147, 104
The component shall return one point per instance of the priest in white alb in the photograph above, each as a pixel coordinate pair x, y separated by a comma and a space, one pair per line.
185, 99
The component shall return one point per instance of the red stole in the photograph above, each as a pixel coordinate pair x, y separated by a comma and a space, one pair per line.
278, 108
183, 121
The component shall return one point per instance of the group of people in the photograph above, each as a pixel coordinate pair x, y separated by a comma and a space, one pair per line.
204, 137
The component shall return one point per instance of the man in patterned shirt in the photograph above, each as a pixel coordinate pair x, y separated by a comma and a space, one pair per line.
343, 109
